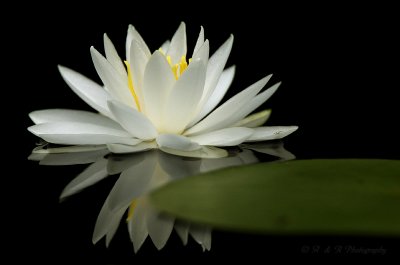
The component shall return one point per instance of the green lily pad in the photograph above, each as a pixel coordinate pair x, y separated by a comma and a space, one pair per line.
318, 196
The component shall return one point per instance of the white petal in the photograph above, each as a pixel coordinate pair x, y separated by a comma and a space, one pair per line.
165, 46
159, 226
72, 158
203, 53
133, 34
137, 226
116, 83
271, 133
215, 67
177, 142
112, 56
132, 121
182, 229
223, 115
224, 137
183, 98
177, 48
137, 61
93, 94
91, 175
199, 42
254, 120
76, 133
61, 115
133, 183
254, 104
157, 83
124, 149
204, 152
220, 90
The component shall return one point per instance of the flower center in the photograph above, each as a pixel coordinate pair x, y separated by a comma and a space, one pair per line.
130, 84
178, 68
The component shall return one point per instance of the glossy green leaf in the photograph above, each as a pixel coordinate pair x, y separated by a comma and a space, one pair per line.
321, 196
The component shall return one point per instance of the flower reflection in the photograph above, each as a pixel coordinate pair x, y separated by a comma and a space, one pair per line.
139, 174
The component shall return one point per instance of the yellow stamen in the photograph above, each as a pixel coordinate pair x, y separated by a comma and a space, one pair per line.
183, 65
130, 84
178, 68
169, 60
131, 210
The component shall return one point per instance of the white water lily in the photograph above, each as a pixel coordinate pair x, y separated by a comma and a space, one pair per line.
161, 100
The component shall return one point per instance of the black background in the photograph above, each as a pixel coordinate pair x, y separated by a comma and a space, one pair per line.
338, 65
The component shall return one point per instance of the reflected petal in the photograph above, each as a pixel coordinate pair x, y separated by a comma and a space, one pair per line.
159, 226
244, 157
107, 222
177, 166
47, 149
182, 229
133, 182
137, 226
118, 163
72, 158
124, 149
204, 152
273, 149
202, 235
91, 175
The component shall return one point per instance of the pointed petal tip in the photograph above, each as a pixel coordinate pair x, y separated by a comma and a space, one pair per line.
62, 69
94, 51
31, 129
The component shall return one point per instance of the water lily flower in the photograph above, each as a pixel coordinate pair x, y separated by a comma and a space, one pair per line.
161, 100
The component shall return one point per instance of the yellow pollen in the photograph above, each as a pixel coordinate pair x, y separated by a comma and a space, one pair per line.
178, 68
130, 84
131, 210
